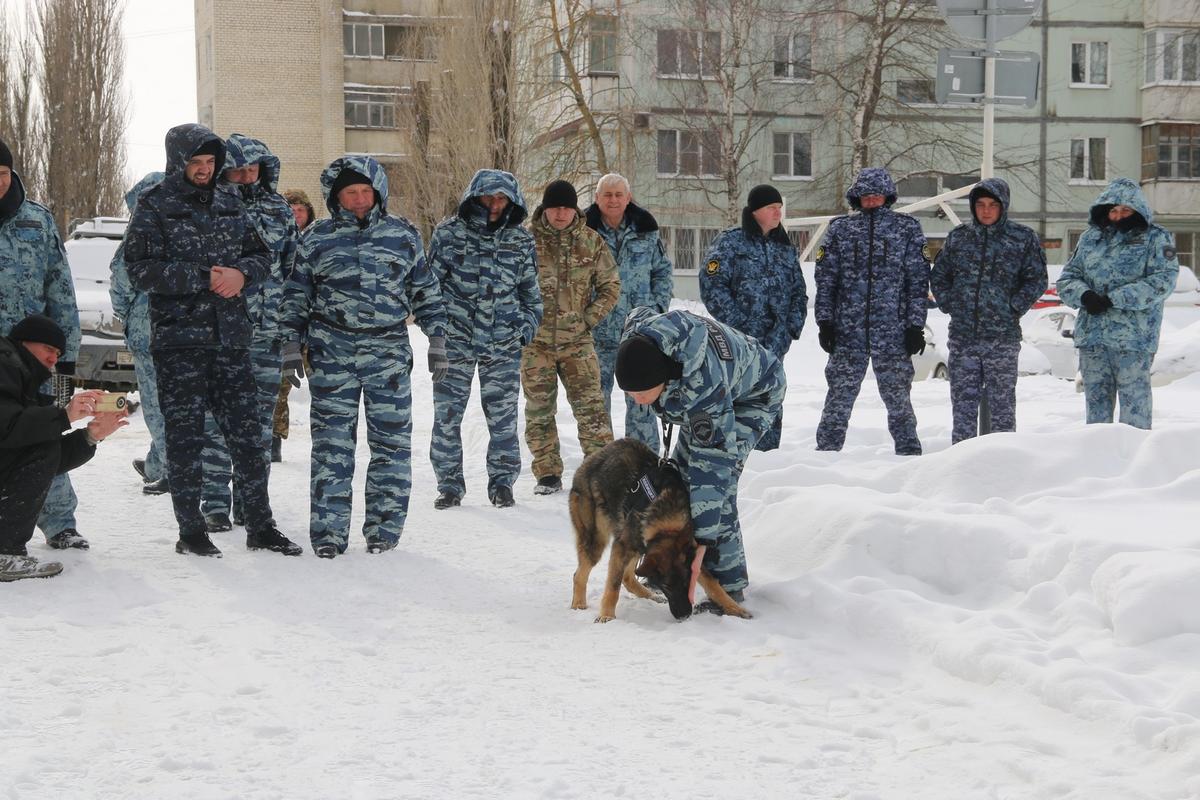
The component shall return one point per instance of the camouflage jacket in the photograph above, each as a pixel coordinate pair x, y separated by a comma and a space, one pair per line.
642, 264
987, 276
487, 271
276, 226
753, 283
1135, 269
130, 305
873, 272
578, 280
730, 394
365, 278
34, 275
178, 232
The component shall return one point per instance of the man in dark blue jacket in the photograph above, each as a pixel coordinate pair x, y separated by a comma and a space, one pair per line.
989, 273
193, 249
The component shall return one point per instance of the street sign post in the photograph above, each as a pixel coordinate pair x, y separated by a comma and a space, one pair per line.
961, 77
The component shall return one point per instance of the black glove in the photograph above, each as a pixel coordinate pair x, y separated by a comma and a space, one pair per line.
439, 363
293, 362
914, 340
826, 336
1095, 303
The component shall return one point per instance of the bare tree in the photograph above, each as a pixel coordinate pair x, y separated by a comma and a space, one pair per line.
83, 109
20, 122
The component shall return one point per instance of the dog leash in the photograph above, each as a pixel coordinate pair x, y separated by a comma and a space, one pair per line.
668, 430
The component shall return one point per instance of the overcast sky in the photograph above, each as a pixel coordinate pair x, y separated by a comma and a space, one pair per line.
160, 72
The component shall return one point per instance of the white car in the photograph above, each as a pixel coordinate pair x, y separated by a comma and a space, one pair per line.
933, 362
104, 362
1051, 330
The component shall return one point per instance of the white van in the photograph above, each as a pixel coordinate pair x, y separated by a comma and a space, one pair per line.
104, 362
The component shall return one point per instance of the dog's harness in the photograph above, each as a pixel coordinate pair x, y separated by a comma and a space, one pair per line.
643, 492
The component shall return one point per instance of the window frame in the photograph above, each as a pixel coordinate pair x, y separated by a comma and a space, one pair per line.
354, 26
700, 49
791, 151
1088, 83
385, 100
791, 63
612, 53
1152, 148
930, 103
1086, 179
1157, 52
680, 152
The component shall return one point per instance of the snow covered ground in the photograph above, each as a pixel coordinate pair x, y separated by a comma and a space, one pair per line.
1014, 617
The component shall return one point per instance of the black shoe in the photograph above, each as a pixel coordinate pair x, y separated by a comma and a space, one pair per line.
447, 500
502, 497
197, 544
139, 466
380, 545
239, 514
159, 486
67, 539
548, 485
217, 522
276, 450
271, 539
325, 551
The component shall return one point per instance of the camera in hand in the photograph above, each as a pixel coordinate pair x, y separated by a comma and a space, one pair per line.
110, 402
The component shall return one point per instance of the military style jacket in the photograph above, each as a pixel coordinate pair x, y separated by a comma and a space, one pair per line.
642, 263
578, 280
131, 306
729, 395
178, 232
487, 271
753, 283
34, 275
987, 276
1136, 270
872, 272
363, 278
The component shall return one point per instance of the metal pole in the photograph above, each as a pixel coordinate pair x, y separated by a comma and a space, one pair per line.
989, 94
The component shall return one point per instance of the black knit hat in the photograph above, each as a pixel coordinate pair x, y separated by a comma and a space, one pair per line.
211, 147
6, 159
560, 194
641, 365
40, 329
347, 177
763, 195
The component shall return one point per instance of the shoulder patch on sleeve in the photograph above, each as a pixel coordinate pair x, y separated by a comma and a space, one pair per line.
1169, 252
820, 255
927, 252
716, 335
702, 429
713, 267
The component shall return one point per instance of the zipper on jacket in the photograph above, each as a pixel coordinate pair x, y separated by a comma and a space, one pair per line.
870, 272
979, 281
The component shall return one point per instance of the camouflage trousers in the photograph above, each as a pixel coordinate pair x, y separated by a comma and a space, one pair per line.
725, 559
844, 373
542, 366
156, 458
215, 496
195, 381
979, 369
345, 373
1109, 374
281, 419
499, 388
640, 421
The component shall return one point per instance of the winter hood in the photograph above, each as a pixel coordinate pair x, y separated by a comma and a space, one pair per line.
1121, 192
182, 143
151, 179
242, 151
871, 180
496, 181
995, 187
13, 198
364, 165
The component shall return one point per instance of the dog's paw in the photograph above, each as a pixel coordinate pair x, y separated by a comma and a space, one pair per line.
579, 606
658, 598
742, 613
602, 619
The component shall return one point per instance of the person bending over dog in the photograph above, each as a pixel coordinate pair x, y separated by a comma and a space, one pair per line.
725, 391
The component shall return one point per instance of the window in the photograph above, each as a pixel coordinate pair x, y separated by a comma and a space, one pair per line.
1088, 160
792, 157
915, 91
793, 57
688, 54
409, 43
688, 247
1089, 63
1184, 244
362, 41
602, 45
1170, 152
1173, 56
799, 239
694, 153
373, 108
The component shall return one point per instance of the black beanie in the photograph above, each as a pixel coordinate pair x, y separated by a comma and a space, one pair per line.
5, 155
347, 177
763, 195
560, 194
211, 147
40, 329
641, 365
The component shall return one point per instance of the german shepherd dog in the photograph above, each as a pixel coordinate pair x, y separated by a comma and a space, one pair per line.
627, 494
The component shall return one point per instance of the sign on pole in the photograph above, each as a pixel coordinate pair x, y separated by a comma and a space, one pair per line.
969, 17
961, 77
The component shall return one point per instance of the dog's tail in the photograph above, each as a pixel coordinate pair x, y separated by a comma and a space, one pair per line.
590, 535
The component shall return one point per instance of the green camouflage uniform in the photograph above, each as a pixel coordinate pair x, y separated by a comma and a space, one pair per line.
580, 285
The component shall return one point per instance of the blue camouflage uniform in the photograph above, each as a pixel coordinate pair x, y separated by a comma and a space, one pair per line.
35, 279
133, 309
1135, 267
872, 282
730, 393
353, 288
753, 283
985, 278
276, 226
646, 280
200, 340
489, 280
